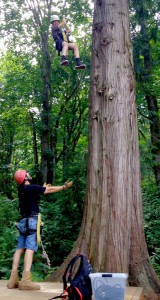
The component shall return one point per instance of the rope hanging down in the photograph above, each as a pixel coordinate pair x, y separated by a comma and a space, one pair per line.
45, 255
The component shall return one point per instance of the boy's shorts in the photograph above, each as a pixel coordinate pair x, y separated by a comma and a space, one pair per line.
27, 241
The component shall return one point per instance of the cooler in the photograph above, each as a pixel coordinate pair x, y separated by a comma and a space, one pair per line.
108, 286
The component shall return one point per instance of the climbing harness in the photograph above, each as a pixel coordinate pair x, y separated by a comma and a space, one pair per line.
66, 36
23, 225
25, 230
62, 36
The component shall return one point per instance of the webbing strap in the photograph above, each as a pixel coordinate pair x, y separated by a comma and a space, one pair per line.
64, 295
70, 266
27, 231
56, 297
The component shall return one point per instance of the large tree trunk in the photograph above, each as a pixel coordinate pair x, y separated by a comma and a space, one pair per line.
112, 232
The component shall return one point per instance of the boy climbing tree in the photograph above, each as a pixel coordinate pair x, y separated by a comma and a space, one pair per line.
61, 38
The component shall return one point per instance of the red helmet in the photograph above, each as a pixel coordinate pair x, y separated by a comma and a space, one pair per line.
19, 176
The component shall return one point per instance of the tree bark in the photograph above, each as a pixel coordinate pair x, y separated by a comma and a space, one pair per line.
112, 233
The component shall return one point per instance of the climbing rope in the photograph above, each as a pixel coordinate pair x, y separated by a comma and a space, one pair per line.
45, 255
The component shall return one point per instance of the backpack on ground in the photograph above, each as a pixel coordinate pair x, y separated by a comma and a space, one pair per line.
79, 286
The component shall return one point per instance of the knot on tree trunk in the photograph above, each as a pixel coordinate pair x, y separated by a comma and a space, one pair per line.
95, 115
99, 2
106, 40
98, 26
100, 91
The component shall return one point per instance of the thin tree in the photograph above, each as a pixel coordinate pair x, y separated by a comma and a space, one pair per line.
112, 233
145, 14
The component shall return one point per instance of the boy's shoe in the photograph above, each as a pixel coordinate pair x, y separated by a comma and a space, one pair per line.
80, 65
64, 61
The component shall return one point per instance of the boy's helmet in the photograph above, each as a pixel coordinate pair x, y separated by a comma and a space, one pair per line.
19, 176
54, 18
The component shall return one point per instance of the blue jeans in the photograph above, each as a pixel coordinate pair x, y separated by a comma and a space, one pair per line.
27, 241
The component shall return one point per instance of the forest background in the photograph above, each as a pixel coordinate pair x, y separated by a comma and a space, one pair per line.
44, 121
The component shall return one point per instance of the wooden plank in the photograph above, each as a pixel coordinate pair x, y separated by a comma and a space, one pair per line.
134, 293
51, 289
47, 291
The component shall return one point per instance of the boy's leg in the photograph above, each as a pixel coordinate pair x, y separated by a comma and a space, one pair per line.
74, 47
64, 60
79, 63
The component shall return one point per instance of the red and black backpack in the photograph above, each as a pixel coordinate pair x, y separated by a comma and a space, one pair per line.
79, 286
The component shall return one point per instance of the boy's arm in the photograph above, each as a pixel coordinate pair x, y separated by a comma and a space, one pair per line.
64, 24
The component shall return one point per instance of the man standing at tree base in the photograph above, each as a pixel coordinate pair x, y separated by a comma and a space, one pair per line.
29, 198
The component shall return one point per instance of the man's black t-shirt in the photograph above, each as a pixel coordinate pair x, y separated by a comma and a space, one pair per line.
29, 198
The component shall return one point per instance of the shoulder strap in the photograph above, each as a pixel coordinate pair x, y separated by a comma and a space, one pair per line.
22, 199
62, 296
70, 266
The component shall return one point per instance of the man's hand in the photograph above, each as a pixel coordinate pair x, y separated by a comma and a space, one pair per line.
68, 184
46, 184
